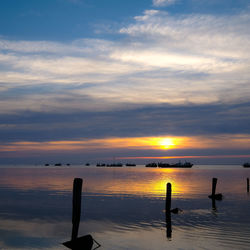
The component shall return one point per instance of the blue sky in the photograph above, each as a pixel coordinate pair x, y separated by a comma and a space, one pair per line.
66, 20
87, 70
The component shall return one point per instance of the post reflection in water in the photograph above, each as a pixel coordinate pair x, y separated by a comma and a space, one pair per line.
168, 225
214, 205
123, 208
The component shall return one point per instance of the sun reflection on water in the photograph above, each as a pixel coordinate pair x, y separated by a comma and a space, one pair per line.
122, 205
114, 181
106, 181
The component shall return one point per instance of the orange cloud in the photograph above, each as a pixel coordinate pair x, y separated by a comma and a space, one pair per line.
156, 143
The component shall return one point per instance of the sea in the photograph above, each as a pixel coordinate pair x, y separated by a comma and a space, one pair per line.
124, 207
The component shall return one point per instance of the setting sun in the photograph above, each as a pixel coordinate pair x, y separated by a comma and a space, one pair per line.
167, 143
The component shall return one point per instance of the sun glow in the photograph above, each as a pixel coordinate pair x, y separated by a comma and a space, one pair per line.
162, 143
167, 143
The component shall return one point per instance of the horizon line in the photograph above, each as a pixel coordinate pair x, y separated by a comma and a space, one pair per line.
183, 157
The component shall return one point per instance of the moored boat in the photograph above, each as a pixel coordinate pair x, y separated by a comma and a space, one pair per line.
130, 165
163, 165
151, 165
183, 165
115, 165
101, 165
246, 165
168, 165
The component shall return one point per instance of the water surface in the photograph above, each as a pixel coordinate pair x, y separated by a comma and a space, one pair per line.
124, 208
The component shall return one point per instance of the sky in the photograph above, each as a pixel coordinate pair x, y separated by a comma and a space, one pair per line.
132, 81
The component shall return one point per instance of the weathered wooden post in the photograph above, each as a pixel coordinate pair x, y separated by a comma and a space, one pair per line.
76, 212
168, 211
168, 198
86, 241
248, 185
214, 195
214, 183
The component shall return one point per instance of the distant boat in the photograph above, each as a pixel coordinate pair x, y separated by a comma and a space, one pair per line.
246, 165
151, 165
58, 164
87, 164
68, 164
115, 165
100, 164
163, 165
167, 165
47, 164
182, 165
130, 165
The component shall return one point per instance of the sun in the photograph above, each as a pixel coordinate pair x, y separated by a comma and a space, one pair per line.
167, 143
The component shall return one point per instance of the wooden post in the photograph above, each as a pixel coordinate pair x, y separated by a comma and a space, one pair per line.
168, 198
76, 212
168, 211
86, 241
214, 195
214, 186
248, 185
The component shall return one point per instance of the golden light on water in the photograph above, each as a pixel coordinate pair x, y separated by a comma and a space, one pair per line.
158, 186
121, 181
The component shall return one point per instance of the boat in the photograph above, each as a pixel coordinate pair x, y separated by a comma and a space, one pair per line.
188, 165
100, 164
47, 164
246, 165
182, 165
87, 164
168, 165
151, 165
163, 165
130, 165
115, 165
58, 164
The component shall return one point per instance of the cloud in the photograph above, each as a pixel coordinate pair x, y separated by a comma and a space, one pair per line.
203, 34
137, 143
174, 74
159, 3
137, 121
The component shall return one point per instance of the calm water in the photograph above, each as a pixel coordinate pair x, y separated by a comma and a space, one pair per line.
123, 208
